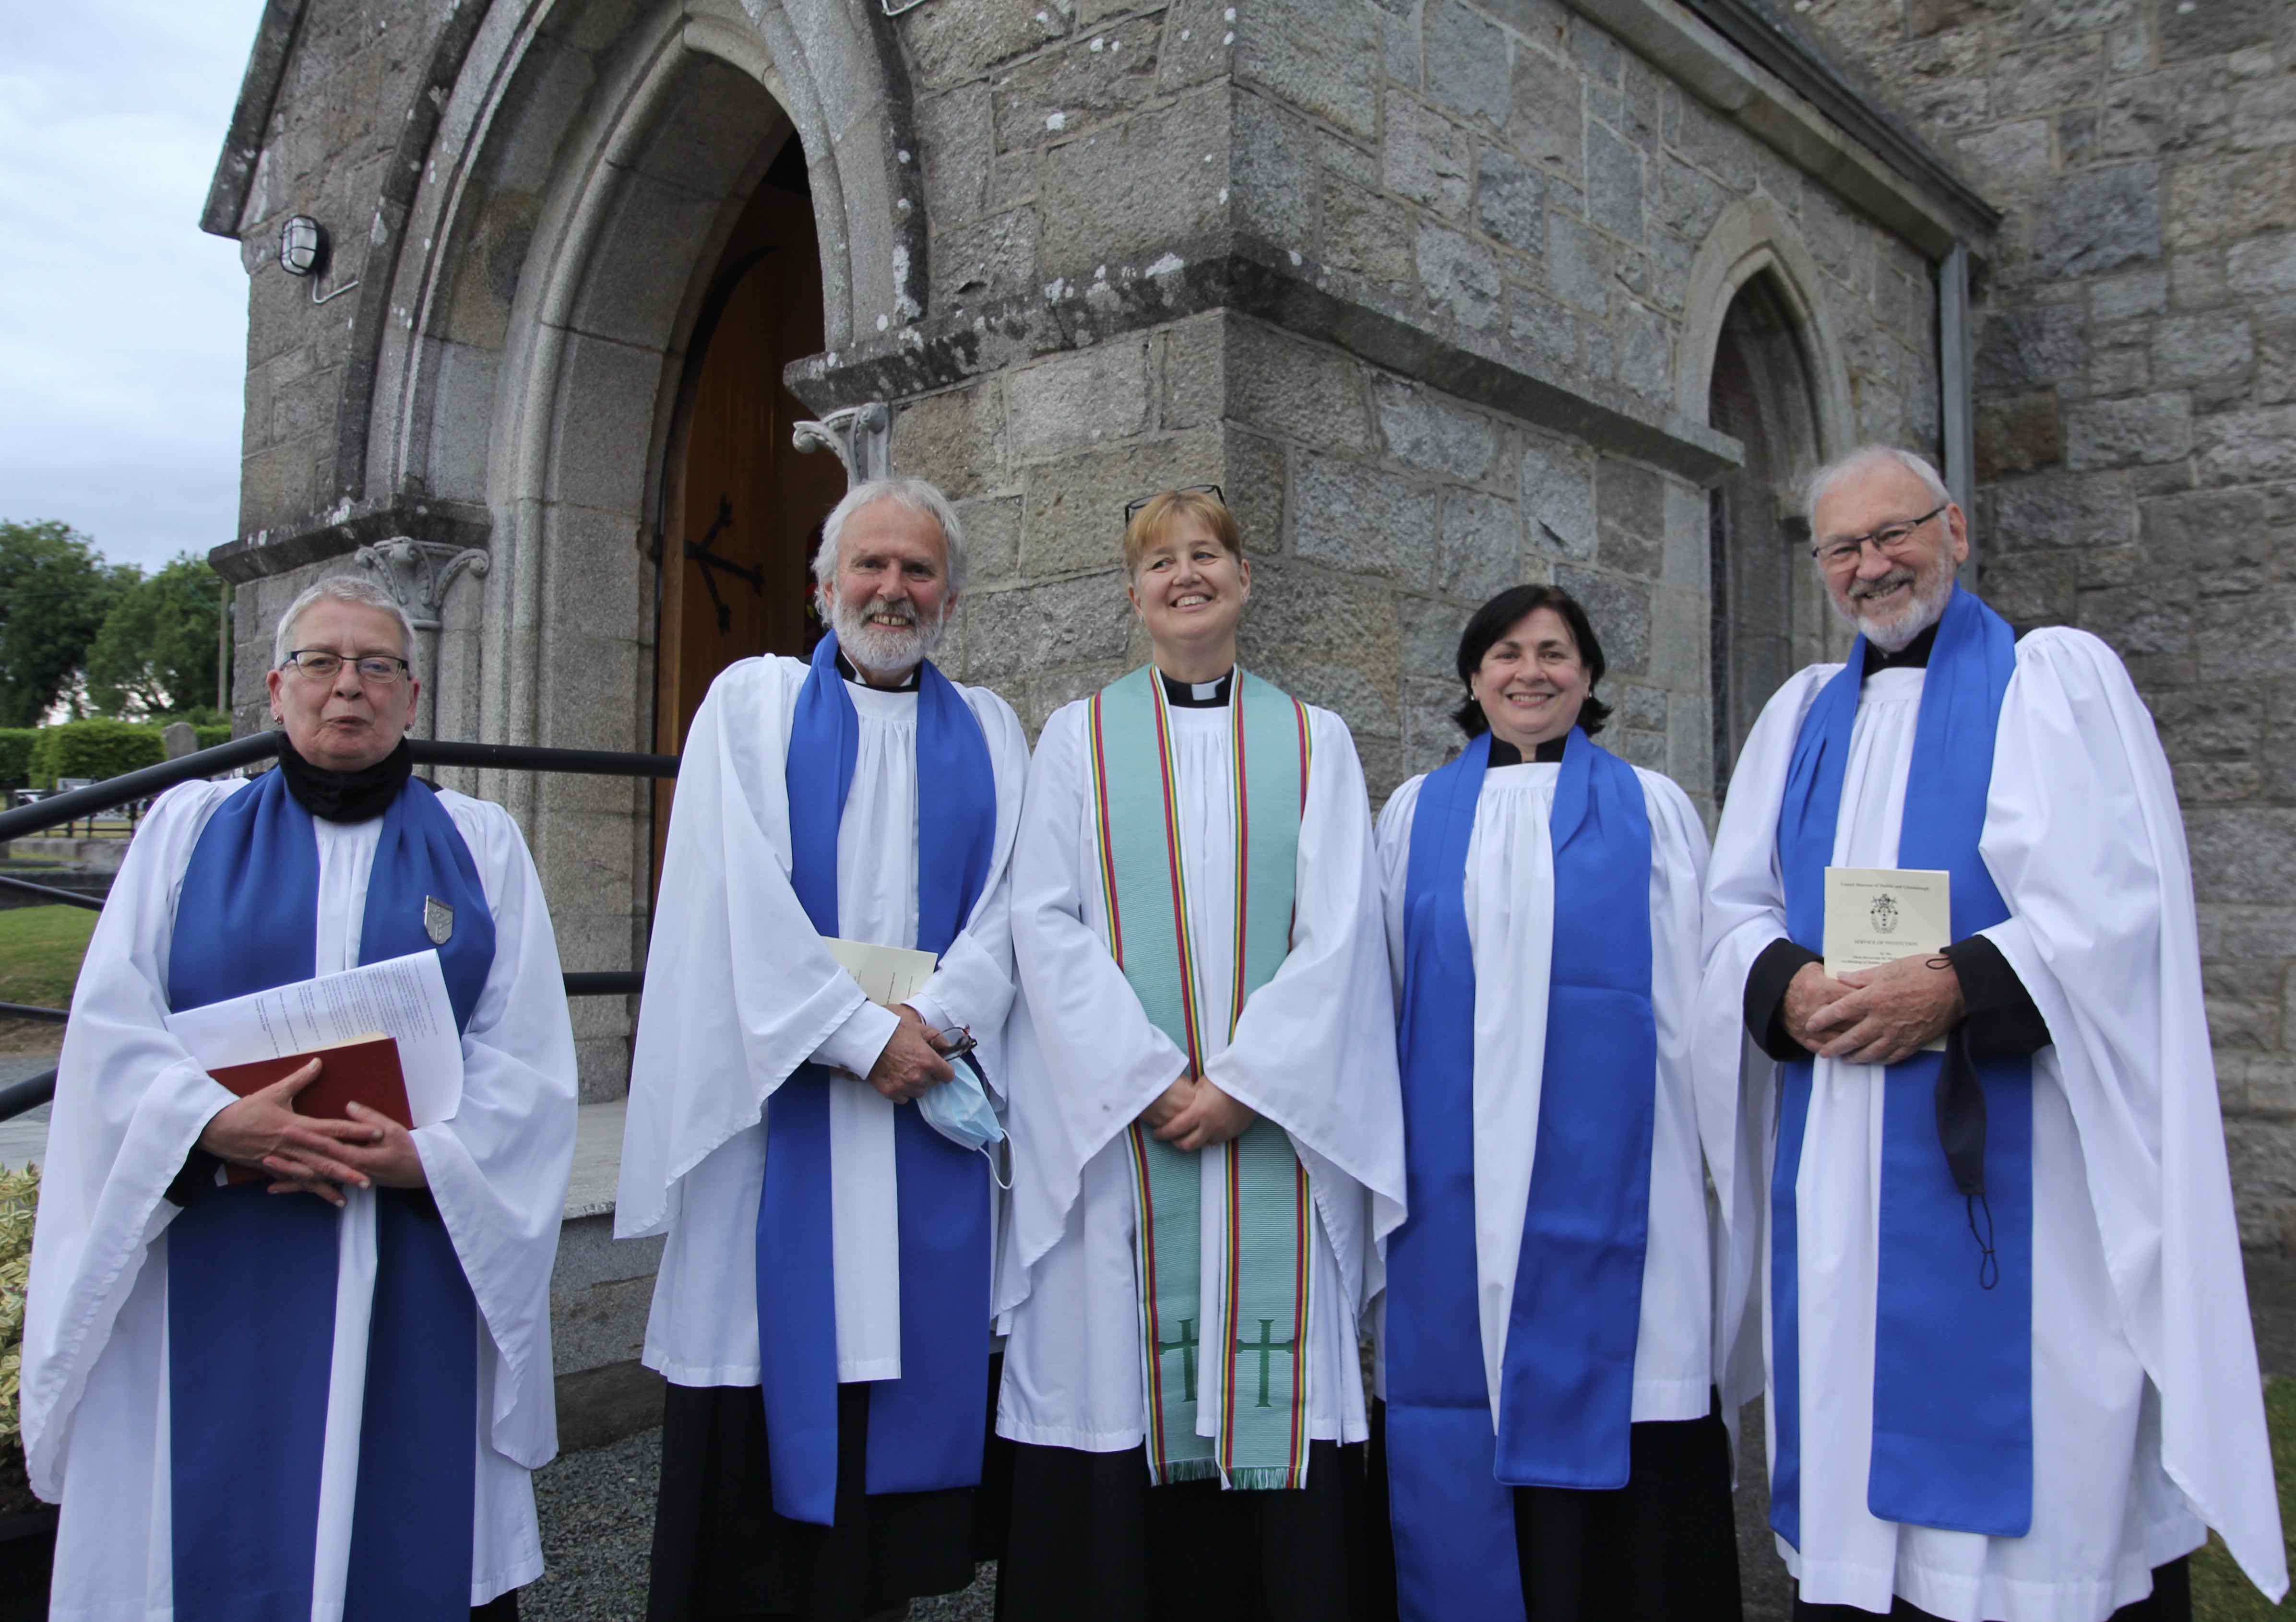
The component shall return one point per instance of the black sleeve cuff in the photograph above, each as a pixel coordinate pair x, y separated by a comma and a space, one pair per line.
197, 1178
2003, 1021
1765, 997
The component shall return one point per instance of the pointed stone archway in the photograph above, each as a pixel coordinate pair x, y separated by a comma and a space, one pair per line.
1760, 366
562, 263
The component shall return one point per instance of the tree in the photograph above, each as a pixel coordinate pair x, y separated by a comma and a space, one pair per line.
156, 652
54, 594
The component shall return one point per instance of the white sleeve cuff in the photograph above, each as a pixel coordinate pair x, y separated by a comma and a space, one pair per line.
855, 1045
931, 1012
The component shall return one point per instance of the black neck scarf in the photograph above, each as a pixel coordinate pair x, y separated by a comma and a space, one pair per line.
346, 797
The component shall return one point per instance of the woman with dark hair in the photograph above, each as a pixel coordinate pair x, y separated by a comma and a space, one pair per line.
1547, 1435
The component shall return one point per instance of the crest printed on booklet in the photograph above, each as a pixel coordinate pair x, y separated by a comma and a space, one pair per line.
438, 921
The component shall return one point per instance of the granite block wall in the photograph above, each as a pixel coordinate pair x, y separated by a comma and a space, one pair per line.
2137, 426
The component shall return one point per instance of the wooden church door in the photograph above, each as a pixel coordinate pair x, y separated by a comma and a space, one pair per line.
742, 507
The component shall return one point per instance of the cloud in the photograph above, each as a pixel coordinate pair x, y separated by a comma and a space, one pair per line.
123, 328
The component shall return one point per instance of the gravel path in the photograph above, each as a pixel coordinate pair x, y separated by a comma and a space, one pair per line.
597, 1531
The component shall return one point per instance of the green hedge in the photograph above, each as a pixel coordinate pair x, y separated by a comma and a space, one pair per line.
210, 736
16, 756
94, 749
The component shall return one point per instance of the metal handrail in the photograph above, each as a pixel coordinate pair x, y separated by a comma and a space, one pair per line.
132, 786
29, 1093
114, 792
50, 893
128, 787
26, 1011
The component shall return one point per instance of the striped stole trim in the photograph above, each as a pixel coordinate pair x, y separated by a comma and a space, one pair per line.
1264, 1210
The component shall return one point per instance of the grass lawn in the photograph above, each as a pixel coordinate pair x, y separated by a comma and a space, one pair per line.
2220, 1593
40, 949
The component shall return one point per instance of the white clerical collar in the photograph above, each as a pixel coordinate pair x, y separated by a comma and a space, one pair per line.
1197, 695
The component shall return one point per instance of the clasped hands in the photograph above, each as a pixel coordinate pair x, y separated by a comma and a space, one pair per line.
1882, 1015
306, 1154
1193, 1113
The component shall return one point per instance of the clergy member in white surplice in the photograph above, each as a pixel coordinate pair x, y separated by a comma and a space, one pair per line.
824, 1173
1548, 1442
318, 1390
1207, 1137
2010, 1370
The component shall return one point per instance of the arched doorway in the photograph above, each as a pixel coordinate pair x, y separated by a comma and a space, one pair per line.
1768, 614
741, 507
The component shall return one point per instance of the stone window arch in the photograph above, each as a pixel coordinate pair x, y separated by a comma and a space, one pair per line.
1760, 366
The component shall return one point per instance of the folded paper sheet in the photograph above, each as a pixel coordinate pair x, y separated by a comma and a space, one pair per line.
404, 998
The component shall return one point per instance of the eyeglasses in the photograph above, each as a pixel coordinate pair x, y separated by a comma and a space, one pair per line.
375, 669
1131, 508
954, 1043
1889, 538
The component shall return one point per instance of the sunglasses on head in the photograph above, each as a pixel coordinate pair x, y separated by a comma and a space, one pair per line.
1132, 508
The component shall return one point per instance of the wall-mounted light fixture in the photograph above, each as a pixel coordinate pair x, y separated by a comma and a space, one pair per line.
302, 245
303, 252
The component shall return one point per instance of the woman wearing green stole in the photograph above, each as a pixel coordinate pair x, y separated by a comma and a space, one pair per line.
1206, 1126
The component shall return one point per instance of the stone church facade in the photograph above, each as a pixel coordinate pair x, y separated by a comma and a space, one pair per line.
1443, 295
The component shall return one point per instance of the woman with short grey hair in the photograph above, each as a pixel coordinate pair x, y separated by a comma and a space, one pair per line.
317, 1385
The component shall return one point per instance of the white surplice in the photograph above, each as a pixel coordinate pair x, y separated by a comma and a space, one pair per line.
1510, 901
2147, 1413
130, 1104
1314, 1053
740, 991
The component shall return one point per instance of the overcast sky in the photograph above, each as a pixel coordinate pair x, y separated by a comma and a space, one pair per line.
123, 327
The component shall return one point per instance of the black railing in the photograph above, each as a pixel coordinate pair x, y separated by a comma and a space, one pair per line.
132, 787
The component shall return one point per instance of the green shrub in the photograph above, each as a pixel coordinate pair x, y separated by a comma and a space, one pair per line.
16, 756
19, 1193
94, 749
210, 736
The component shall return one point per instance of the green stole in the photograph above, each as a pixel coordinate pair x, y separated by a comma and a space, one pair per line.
1263, 1223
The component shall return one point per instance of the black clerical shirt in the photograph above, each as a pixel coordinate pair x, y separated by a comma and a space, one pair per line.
1999, 1010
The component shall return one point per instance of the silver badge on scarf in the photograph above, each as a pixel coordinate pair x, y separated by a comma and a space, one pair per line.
438, 919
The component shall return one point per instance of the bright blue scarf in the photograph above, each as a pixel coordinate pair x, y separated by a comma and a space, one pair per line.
251, 1276
1953, 1354
925, 1429
1566, 1394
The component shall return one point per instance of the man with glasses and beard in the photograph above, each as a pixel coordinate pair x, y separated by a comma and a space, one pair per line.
821, 1163
2009, 1367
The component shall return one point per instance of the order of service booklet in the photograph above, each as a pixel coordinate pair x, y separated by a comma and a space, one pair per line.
888, 975
1875, 915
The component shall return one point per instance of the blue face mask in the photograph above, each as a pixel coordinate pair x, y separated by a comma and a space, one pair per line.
960, 1111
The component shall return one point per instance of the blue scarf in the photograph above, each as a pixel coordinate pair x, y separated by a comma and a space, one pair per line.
925, 1429
251, 1276
1952, 1356
1566, 1392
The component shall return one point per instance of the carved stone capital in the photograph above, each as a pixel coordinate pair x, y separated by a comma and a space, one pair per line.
418, 573
859, 435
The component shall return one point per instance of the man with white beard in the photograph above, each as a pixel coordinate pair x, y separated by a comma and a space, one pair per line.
822, 1313
2010, 1372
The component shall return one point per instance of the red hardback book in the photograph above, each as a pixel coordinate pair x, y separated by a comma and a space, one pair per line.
363, 1070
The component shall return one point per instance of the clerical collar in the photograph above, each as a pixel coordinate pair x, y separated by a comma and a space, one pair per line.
1914, 656
907, 683
1196, 695
1503, 753
346, 797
